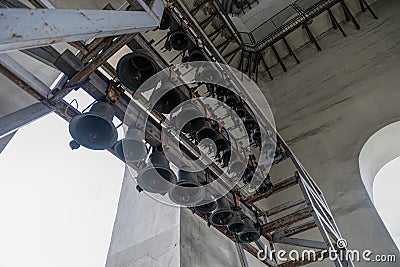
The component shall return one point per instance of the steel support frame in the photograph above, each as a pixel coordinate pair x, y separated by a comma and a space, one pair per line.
28, 28
274, 225
13, 121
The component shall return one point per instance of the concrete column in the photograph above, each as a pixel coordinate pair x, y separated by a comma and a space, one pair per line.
146, 232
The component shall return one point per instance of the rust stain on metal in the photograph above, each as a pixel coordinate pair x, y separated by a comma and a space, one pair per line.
84, 15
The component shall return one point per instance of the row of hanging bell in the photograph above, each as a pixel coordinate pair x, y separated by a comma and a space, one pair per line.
222, 215
244, 229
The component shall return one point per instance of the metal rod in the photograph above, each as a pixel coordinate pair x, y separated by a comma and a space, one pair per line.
278, 58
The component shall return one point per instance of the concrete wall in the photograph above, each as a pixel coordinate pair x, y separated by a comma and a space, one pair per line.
326, 108
329, 105
146, 232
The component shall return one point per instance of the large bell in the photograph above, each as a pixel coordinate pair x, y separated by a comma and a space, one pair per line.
226, 156
166, 20
156, 177
189, 119
187, 191
221, 142
249, 122
223, 214
231, 99
206, 132
169, 99
220, 90
249, 233
240, 111
178, 40
196, 55
236, 225
94, 129
248, 175
132, 147
209, 74
207, 204
257, 136
135, 68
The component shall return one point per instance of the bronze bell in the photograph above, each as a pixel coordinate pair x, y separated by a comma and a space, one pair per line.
178, 40
210, 74
206, 132
187, 191
166, 20
226, 156
221, 142
94, 129
207, 204
248, 175
135, 68
189, 119
236, 225
169, 99
231, 99
220, 90
156, 177
132, 148
249, 233
257, 136
249, 122
196, 55
223, 214
240, 111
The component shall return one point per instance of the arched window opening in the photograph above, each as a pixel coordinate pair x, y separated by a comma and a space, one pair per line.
379, 163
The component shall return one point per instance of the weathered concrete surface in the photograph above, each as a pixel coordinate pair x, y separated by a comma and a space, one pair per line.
330, 104
146, 232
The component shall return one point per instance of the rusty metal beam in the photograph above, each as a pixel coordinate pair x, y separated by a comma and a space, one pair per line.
285, 206
294, 230
92, 66
286, 220
301, 242
277, 188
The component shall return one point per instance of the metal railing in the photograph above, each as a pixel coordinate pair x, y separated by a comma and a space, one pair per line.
282, 23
